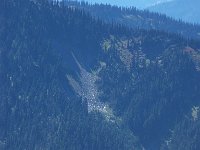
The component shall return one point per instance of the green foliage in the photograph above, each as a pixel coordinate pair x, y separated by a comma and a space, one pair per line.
40, 110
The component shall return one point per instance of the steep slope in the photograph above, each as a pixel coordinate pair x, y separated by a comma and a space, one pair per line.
143, 19
157, 95
38, 107
69, 81
183, 132
185, 10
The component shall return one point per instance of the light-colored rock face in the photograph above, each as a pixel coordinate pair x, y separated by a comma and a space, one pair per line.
195, 113
127, 54
85, 86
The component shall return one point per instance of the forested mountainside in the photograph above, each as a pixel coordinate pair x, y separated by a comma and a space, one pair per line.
70, 81
127, 3
142, 19
187, 10
38, 108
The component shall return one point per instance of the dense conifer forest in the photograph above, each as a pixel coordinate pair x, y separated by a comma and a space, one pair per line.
71, 81
138, 19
